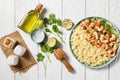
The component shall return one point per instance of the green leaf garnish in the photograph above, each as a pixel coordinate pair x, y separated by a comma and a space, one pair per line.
52, 16
102, 22
55, 28
107, 26
48, 30
46, 48
51, 50
45, 21
58, 22
40, 57
91, 43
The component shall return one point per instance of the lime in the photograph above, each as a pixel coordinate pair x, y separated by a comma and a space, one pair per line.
67, 23
52, 42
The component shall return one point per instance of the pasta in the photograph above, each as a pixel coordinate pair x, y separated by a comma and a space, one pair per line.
84, 51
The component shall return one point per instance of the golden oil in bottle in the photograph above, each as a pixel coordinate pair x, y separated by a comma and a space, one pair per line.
31, 20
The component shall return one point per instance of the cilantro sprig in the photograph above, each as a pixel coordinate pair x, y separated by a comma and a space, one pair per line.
46, 50
40, 58
54, 22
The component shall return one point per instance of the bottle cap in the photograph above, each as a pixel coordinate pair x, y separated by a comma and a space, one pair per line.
38, 7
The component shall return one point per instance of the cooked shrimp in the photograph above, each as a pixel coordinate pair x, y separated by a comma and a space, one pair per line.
92, 25
104, 46
111, 53
95, 34
101, 37
97, 43
111, 44
104, 31
89, 28
107, 37
84, 25
115, 46
100, 28
91, 39
113, 37
97, 23
87, 22
103, 40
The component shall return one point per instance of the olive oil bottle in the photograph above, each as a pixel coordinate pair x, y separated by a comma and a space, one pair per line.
31, 20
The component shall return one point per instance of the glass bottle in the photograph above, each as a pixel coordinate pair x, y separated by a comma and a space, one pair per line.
31, 20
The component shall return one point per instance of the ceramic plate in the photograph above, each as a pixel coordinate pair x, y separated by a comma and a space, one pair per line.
117, 52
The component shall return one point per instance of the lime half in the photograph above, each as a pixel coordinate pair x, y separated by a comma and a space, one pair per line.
67, 23
52, 42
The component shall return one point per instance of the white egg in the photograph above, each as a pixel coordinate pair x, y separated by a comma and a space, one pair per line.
12, 60
19, 50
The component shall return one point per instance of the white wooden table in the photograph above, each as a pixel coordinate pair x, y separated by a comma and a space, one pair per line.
12, 11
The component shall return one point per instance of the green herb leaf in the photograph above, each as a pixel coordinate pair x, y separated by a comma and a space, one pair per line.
46, 48
51, 50
102, 22
91, 43
55, 28
107, 26
52, 16
40, 57
48, 30
45, 21
43, 47
50, 21
58, 22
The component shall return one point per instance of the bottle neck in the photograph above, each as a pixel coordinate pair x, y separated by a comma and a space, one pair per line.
38, 7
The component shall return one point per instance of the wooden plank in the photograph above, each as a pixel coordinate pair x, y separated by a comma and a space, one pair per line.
114, 11
75, 10
21, 8
53, 71
6, 27
97, 8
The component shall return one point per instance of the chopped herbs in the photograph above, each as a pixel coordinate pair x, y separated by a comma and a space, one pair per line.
91, 43
107, 26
